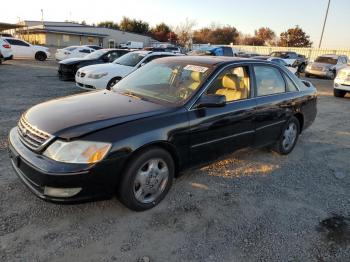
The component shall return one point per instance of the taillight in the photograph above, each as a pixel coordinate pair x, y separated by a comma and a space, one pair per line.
6, 46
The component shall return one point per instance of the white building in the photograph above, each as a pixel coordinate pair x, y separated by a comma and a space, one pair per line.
61, 34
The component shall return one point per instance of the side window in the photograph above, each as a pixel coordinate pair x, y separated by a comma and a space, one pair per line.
21, 43
87, 51
228, 51
112, 56
291, 87
233, 83
268, 81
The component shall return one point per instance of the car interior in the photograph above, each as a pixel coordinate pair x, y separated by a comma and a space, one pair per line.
233, 83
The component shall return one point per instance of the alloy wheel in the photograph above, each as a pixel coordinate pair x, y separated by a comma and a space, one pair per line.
289, 136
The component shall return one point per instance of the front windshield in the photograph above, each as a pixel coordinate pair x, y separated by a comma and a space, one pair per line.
95, 54
130, 59
326, 60
169, 82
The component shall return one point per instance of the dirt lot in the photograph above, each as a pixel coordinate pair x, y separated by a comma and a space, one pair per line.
253, 206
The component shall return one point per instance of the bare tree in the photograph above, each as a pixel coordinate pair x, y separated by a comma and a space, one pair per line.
184, 32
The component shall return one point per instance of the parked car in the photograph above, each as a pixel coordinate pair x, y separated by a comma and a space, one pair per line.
22, 49
5, 51
326, 66
170, 115
73, 52
69, 67
215, 51
132, 45
279, 61
175, 50
107, 75
342, 82
292, 58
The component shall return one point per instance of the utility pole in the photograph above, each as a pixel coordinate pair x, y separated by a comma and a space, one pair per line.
324, 24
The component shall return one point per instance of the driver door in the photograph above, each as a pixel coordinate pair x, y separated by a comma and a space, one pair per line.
216, 131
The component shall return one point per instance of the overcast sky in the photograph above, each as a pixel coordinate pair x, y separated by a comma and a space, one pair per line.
245, 15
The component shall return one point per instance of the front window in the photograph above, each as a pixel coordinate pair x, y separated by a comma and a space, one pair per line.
168, 82
130, 59
326, 60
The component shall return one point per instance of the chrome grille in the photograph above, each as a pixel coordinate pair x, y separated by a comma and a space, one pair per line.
32, 136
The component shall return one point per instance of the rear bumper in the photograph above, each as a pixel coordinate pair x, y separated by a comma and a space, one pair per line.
8, 58
37, 172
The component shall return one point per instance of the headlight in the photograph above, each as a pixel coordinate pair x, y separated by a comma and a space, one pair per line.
83, 152
97, 76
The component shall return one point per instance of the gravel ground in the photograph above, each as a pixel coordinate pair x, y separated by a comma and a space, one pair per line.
252, 206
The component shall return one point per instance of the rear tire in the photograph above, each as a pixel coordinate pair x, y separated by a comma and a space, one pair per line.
339, 93
333, 75
147, 179
40, 56
289, 137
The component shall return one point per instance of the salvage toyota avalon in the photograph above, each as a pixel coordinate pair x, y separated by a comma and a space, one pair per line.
172, 114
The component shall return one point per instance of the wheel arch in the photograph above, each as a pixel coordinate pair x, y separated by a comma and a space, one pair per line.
300, 118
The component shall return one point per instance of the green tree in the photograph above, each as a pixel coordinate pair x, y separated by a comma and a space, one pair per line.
294, 37
133, 25
108, 24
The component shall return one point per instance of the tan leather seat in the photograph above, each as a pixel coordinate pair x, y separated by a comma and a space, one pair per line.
230, 88
196, 78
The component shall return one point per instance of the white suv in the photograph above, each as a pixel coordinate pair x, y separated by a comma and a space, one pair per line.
23, 49
5, 51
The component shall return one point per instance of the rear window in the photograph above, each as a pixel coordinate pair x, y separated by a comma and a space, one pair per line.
326, 60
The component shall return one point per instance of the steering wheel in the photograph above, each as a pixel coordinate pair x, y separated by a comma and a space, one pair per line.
184, 92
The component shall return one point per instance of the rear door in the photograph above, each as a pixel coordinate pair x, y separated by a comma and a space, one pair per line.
273, 104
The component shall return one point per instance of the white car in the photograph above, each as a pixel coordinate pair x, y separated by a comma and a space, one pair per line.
22, 49
342, 82
104, 76
279, 61
73, 52
5, 51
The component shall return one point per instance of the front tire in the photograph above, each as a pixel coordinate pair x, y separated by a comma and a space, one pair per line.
301, 68
339, 93
112, 82
40, 56
147, 179
289, 137
332, 75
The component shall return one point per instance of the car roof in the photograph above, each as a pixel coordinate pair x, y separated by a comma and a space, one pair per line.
207, 60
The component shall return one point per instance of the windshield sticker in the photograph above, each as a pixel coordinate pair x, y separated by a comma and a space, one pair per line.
195, 68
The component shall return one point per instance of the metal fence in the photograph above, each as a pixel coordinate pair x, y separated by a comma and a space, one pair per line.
310, 53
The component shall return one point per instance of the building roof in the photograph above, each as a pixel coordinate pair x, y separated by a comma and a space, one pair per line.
59, 31
6, 26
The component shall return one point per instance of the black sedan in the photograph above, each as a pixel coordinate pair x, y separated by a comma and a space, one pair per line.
67, 68
171, 114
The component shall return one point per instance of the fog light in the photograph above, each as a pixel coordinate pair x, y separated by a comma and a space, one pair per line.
61, 192
336, 84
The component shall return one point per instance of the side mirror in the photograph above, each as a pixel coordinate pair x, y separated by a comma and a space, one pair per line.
211, 101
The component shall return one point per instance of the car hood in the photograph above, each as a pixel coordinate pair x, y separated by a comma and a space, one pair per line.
109, 67
81, 114
71, 61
